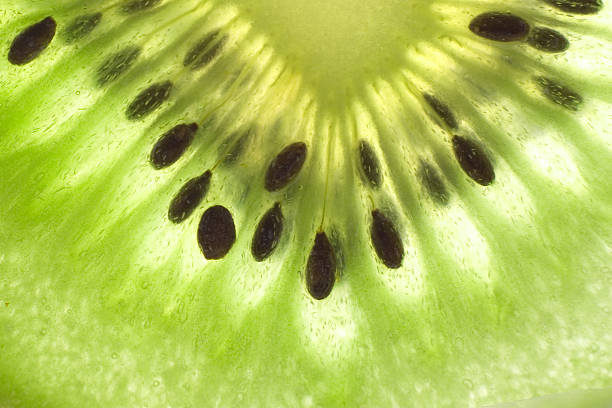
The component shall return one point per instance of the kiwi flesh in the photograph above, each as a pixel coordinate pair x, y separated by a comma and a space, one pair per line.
316, 203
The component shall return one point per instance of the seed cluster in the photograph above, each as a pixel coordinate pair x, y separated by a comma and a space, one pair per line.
216, 233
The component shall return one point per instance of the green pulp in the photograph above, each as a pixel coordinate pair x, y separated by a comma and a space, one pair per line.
504, 293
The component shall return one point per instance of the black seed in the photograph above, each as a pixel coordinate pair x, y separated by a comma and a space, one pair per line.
188, 198
386, 240
149, 100
139, 5
548, 40
559, 94
499, 26
32, 41
216, 232
369, 164
81, 26
285, 166
577, 6
116, 64
237, 149
442, 110
171, 146
203, 52
433, 183
268, 233
321, 268
473, 160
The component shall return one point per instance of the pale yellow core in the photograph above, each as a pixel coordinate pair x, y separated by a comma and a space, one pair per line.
337, 44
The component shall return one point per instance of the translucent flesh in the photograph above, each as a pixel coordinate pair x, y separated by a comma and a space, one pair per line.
504, 293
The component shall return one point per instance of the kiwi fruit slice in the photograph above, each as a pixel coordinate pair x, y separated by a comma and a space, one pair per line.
305, 203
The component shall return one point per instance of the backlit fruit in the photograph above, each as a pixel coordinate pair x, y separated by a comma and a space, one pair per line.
305, 203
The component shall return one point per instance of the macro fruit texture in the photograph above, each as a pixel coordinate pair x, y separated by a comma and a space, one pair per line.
305, 203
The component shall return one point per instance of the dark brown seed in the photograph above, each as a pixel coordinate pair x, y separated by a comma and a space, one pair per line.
189, 197
473, 160
32, 41
171, 146
433, 183
386, 241
442, 110
116, 64
321, 268
135, 6
370, 164
216, 232
81, 26
559, 94
498, 26
285, 166
268, 233
577, 6
149, 100
547, 40
204, 51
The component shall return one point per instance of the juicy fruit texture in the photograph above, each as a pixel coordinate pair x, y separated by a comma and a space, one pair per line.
227, 203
